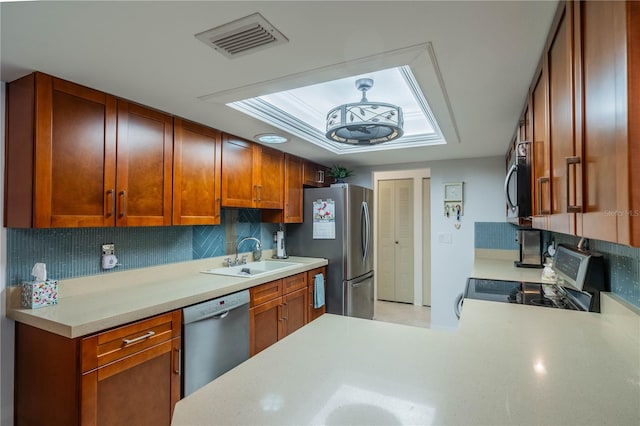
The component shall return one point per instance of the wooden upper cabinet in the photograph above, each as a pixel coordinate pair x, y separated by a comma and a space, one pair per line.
610, 37
541, 152
292, 187
252, 175
315, 175
565, 150
60, 154
196, 174
238, 189
144, 166
68, 166
293, 169
269, 177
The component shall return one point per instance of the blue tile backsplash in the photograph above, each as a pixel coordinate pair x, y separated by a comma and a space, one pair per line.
623, 262
75, 252
495, 235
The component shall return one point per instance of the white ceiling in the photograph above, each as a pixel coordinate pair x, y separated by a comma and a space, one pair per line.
485, 52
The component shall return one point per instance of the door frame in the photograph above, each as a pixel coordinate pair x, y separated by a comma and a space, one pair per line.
417, 175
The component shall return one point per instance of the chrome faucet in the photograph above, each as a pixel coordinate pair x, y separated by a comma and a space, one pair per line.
257, 253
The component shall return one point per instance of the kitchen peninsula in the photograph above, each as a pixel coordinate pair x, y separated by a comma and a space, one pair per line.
506, 364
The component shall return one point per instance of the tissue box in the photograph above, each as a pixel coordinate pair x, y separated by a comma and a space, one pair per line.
36, 294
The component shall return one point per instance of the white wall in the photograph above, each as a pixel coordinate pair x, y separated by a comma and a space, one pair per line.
451, 263
6, 325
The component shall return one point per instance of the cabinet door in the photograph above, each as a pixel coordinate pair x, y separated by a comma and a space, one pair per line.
315, 175
265, 325
294, 306
294, 282
269, 178
565, 167
145, 161
314, 313
605, 126
75, 135
292, 189
238, 189
196, 174
541, 153
139, 389
265, 292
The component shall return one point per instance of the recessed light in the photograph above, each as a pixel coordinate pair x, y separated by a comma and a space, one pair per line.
270, 138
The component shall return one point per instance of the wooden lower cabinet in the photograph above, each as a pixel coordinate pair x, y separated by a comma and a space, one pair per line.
295, 310
278, 308
265, 325
314, 313
128, 375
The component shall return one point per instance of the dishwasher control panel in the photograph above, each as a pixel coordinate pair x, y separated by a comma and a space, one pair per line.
214, 307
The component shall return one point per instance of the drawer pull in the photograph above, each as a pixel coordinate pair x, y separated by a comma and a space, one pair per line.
138, 339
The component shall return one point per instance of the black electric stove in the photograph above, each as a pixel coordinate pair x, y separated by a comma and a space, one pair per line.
526, 293
581, 278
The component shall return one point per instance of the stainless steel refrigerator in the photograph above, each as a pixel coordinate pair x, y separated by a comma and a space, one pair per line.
349, 250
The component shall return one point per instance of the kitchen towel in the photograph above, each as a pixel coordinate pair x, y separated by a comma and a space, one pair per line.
318, 291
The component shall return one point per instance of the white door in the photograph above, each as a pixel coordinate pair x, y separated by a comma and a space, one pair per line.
395, 240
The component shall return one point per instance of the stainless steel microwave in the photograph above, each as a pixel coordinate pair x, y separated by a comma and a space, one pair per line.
517, 184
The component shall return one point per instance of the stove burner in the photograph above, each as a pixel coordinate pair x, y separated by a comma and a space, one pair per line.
542, 302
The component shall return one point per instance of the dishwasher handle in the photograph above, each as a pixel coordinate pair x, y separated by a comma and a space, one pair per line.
215, 315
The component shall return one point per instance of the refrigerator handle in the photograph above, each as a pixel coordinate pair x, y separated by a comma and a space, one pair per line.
366, 238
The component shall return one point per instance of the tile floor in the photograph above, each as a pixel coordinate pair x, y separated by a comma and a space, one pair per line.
402, 313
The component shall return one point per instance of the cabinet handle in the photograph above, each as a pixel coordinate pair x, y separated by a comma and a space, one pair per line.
260, 196
571, 208
255, 189
320, 176
286, 305
140, 338
540, 182
123, 204
177, 366
280, 311
111, 202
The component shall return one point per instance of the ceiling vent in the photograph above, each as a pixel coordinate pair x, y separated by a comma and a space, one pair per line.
242, 36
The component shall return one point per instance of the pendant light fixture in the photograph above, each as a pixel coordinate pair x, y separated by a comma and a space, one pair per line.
365, 122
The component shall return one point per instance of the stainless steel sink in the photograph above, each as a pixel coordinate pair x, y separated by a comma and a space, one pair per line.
252, 269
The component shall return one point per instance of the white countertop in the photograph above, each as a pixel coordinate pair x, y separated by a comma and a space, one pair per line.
506, 364
504, 269
90, 304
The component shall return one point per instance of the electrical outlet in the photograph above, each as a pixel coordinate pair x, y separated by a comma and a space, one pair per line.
109, 248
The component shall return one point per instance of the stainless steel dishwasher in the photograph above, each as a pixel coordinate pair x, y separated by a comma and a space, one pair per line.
215, 338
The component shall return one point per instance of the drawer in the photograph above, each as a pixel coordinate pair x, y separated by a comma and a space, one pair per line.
312, 273
265, 292
294, 282
109, 346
